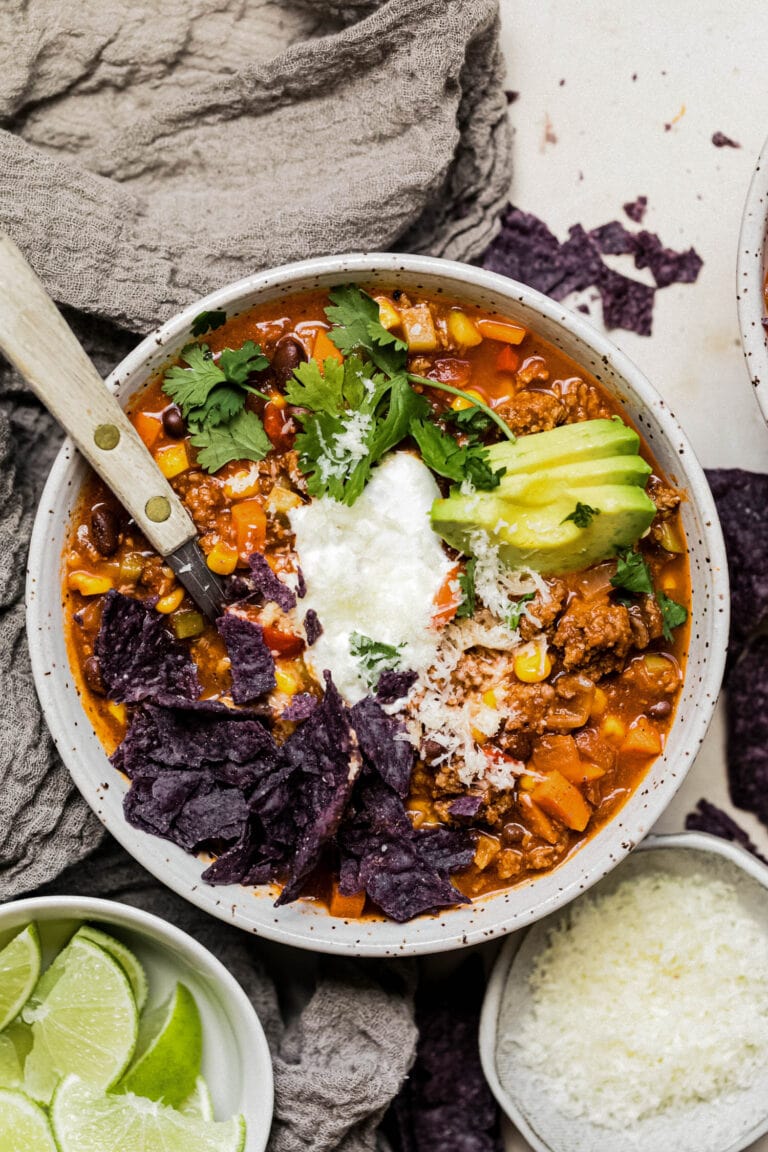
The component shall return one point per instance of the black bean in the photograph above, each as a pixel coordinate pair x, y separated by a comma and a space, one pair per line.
105, 530
92, 674
660, 710
173, 423
288, 354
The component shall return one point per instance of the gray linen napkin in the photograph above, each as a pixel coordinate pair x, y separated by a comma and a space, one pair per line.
148, 154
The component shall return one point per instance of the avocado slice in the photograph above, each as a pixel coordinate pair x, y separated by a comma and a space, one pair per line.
543, 486
568, 444
541, 537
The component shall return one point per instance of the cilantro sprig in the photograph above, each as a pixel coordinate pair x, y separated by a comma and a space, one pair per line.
516, 610
633, 576
211, 395
207, 322
467, 589
374, 657
582, 515
457, 462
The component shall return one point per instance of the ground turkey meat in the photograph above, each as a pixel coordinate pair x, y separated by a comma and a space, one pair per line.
594, 635
582, 401
542, 612
532, 412
203, 497
525, 706
646, 621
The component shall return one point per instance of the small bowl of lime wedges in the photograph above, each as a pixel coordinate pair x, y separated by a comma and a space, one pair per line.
117, 1030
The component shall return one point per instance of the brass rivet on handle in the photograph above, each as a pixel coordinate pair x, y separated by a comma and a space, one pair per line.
158, 508
106, 436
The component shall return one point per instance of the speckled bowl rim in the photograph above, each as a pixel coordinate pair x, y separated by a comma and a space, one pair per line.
242, 1018
750, 278
304, 924
697, 841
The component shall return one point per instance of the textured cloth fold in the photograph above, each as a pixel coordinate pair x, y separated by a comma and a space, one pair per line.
149, 153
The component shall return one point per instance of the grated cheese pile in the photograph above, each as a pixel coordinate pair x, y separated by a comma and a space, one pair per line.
648, 999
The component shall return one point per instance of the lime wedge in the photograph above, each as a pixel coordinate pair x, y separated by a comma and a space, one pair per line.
15, 1043
19, 970
132, 967
169, 1051
23, 1126
199, 1103
87, 1120
85, 1022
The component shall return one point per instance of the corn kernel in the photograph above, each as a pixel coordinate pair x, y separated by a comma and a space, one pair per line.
222, 558
87, 584
286, 680
461, 329
669, 582
389, 317
417, 815
117, 711
489, 698
599, 703
277, 399
172, 460
613, 727
478, 736
528, 783
459, 403
532, 662
487, 848
169, 603
240, 485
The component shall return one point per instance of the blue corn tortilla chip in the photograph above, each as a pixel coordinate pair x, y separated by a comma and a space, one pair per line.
445, 1102
667, 266
614, 239
301, 707
466, 806
394, 686
384, 744
326, 759
252, 663
720, 140
636, 209
189, 808
138, 657
525, 250
742, 504
747, 723
313, 629
707, 817
579, 264
627, 303
268, 585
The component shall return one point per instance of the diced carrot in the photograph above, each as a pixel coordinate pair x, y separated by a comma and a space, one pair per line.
279, 426
149, 426
346, 907
324, 348
562, 800
503, 331
642, 739
556, 754
250, 524
536, 820
172, 460
447, 600
593, 748
507, 360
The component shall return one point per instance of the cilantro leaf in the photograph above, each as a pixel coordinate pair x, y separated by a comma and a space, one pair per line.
356, 326
373, 656
582, 515
448, 458
632, 574
242, 438
207, 322
237, 364
190, 387
467, 587
672, 614
470, 422
316, 389
222, 405
516, 609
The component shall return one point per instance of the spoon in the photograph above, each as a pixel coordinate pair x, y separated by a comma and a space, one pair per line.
35, 337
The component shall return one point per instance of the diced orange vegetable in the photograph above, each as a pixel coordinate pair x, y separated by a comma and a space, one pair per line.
502, 330
279, 426
593, 748
556, 754
537, 821
346, 907
642, 739
283, 643
172, 460
149, 426
486, 848
613, 728
507, 360
562, 800
448, 599
88, 584
324, 348
222, 558
242, 484
461, 329
117, 711
389, 317
250, 523
419, 328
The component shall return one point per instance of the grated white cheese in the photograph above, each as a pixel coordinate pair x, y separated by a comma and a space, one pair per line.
648, 999
495, 584
346, 448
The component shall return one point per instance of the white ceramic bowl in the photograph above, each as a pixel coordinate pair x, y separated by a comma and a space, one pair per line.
750, 279
236, 1061
304, 923
728, 1125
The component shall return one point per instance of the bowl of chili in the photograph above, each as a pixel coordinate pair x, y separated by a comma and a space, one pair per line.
751, 280
440, 733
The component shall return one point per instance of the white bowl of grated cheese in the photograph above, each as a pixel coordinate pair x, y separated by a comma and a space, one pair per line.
637, 1018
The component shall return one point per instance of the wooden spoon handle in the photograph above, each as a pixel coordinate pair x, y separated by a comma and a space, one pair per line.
36, 338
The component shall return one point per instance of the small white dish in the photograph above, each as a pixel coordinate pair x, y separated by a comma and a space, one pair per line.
728, 1125
236, 1061
306, 923
750, 280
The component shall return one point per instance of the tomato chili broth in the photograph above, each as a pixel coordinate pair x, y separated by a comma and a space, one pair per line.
494, 369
